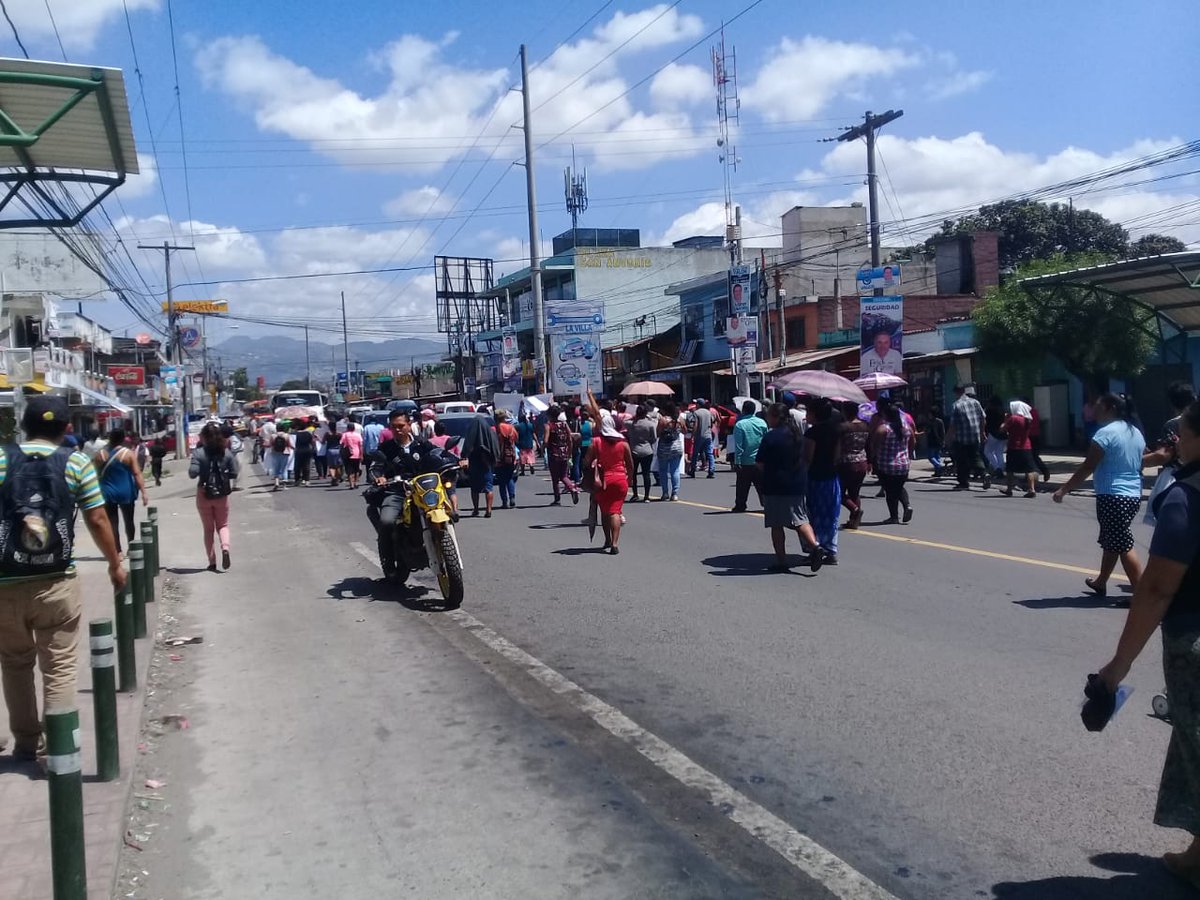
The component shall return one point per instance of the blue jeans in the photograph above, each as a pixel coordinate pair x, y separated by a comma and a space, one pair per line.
279, 464
703, 447
668, 475
506, 480
824, 507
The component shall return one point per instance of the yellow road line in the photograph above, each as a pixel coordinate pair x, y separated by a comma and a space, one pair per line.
936, 545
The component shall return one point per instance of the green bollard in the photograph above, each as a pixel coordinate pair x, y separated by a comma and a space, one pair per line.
137, 576
104, 699
65, 775
126, 654
151, 552
152, 518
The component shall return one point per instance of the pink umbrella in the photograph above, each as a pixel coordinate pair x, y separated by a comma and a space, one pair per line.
818, 383
879, 381
647, 389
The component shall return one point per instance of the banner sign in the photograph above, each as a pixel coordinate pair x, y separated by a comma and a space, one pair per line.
883, 277
882, 334
739, 291
577, 364
741, 331
128, 376
199, 307
509, 343
574, 317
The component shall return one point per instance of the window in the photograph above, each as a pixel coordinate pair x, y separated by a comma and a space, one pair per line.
720, 313
795, 333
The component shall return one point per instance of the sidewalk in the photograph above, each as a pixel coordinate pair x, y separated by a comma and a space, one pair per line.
25, 839
1061, 466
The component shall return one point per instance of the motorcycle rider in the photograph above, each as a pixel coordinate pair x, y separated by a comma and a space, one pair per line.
403, 455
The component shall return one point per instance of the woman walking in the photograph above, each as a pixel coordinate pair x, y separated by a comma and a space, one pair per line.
1017, 428
822, 450
352, 454
670, 450
481, 450
120, 482
994, 446
892, 446
506, 464
1114, 460
612, 453
852, 464
333, 456
559, 443
215, 467
1166, 593
526, 443
642, 435
781, 462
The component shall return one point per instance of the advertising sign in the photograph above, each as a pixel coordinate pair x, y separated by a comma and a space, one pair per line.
882, 277
741, 331
744, 360
199, 307
509, 342
577, 364
882, 334
739, 291
189, 337
574, 317
128, 376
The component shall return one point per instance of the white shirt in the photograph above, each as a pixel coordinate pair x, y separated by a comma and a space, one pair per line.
892, 363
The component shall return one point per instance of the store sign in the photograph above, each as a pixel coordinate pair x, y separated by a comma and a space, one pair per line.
128, 376
198, 307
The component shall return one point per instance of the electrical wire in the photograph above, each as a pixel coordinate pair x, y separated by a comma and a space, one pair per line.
15, 33
57, 36
187, 181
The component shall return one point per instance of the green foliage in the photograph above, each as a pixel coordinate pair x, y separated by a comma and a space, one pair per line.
293, 384
1153, 245
1095, 335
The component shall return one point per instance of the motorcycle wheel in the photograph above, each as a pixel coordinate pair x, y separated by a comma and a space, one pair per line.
450, 571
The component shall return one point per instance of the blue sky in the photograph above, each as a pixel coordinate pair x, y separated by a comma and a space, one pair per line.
324, 138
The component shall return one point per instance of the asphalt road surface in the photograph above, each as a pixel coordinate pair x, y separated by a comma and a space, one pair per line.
905, 724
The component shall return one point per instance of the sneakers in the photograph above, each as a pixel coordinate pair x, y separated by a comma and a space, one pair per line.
908, 514
225, 561
575, 497
712, 474
674, 498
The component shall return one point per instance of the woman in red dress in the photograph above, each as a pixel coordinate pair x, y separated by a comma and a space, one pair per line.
611, 451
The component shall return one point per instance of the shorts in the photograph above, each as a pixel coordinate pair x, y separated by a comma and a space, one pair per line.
1115, 513
481, 478
784, 511
1019, 461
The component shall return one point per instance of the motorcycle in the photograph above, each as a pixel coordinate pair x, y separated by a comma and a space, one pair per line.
425, 532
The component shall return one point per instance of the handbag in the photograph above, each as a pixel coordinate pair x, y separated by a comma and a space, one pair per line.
1164, 480
593, 478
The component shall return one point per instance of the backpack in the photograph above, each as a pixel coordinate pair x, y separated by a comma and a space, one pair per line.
216, 479
508, 449
280, 444
670, 434
37, 514
304, 441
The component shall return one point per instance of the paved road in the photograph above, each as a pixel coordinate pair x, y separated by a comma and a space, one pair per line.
914, 710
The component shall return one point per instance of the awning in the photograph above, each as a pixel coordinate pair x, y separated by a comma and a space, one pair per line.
6, 385
101, 399
794, 361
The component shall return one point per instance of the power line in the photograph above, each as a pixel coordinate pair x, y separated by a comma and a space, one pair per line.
187, 182
57, 36
16, 35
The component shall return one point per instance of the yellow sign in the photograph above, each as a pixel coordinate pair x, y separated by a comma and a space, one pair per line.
607, 259
199, 307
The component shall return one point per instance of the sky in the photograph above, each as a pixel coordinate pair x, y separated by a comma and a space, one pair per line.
301, 138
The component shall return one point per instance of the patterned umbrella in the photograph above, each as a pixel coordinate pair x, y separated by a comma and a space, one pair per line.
817, 383
879, 381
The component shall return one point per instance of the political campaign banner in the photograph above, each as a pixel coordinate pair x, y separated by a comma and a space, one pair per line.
882, 335
741, 331
739, 291
881, 277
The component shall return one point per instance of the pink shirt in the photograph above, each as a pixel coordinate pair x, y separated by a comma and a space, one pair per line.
353, 441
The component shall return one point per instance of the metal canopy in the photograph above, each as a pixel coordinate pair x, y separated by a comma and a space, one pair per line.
1167, 285
65, 125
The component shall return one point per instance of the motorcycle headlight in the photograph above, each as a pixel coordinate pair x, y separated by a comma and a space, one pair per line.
431, 498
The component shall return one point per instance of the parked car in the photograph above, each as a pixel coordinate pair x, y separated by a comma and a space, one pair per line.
453, 407
409, 406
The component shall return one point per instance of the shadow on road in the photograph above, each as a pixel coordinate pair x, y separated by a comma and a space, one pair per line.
176, 570
580, 551
741, 565
1138, 877
417, 598
548, 525
1079, 601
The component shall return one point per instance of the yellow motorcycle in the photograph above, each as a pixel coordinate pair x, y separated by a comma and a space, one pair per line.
424, 535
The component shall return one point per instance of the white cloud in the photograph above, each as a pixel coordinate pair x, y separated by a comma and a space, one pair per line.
957, 83
760, 219
142, 184
431, 94
422, 201
79, 21
681, 85
801, 78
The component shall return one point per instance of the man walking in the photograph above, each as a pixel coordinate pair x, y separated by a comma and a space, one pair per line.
966, 436
747, 437
702, 438
40, 603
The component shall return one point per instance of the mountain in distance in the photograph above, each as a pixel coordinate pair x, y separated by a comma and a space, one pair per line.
279, 359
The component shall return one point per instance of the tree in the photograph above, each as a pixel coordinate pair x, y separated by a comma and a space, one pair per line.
1153, 245
1095, 335
294, 384
1030, 230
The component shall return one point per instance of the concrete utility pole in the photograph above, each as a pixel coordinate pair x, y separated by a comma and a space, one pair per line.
307, 363
345, 347
175, 353
868, 129
535, 265
780, 296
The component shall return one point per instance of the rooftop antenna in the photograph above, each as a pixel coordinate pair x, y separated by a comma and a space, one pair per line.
728, 106
575, 187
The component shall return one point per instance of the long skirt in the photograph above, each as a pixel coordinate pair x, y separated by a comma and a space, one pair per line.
1179, 788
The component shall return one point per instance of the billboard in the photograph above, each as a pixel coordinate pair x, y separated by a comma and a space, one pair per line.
577, 363
739, 291
128, 376
198, 307
881, 278
741, 331
574, 317
881, 334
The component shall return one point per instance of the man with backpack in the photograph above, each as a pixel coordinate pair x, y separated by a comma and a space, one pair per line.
42, 484
281, 457
305, 445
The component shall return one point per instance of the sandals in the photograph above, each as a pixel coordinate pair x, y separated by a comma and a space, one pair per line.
1100, 590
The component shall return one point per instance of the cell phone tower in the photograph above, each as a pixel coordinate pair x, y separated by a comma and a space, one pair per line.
724, 64
575, 187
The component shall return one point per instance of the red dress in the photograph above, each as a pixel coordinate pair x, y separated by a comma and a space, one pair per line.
611, 454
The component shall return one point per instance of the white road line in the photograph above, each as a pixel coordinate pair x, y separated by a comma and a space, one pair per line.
833, 873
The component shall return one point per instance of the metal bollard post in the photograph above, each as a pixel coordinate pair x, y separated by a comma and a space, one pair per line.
126, 654
150, 546
152, 518
104, 699
137, 576
65, 774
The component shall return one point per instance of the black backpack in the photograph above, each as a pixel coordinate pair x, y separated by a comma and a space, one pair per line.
37, 514
216, 479
280, 444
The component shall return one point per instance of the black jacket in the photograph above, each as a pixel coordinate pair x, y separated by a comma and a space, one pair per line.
390, 459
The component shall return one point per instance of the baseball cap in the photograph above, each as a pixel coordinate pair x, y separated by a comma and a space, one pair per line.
45, 409
970, 390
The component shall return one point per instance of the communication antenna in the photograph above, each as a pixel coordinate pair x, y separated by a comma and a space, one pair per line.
724, 64
575, 187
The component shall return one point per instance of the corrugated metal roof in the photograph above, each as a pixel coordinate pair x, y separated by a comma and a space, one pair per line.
80, 139
1169, 284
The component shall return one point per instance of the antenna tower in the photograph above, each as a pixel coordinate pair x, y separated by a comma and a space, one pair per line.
575, 187
724, 64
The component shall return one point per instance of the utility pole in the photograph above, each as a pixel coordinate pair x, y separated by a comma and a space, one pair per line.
535, 265
868, 129
779, 298
307, 363
345, 344
175, 351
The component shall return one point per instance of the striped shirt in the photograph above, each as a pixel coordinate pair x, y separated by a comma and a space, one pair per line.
81, 479
892, 449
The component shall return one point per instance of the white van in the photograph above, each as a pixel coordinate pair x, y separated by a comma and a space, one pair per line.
454, 406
